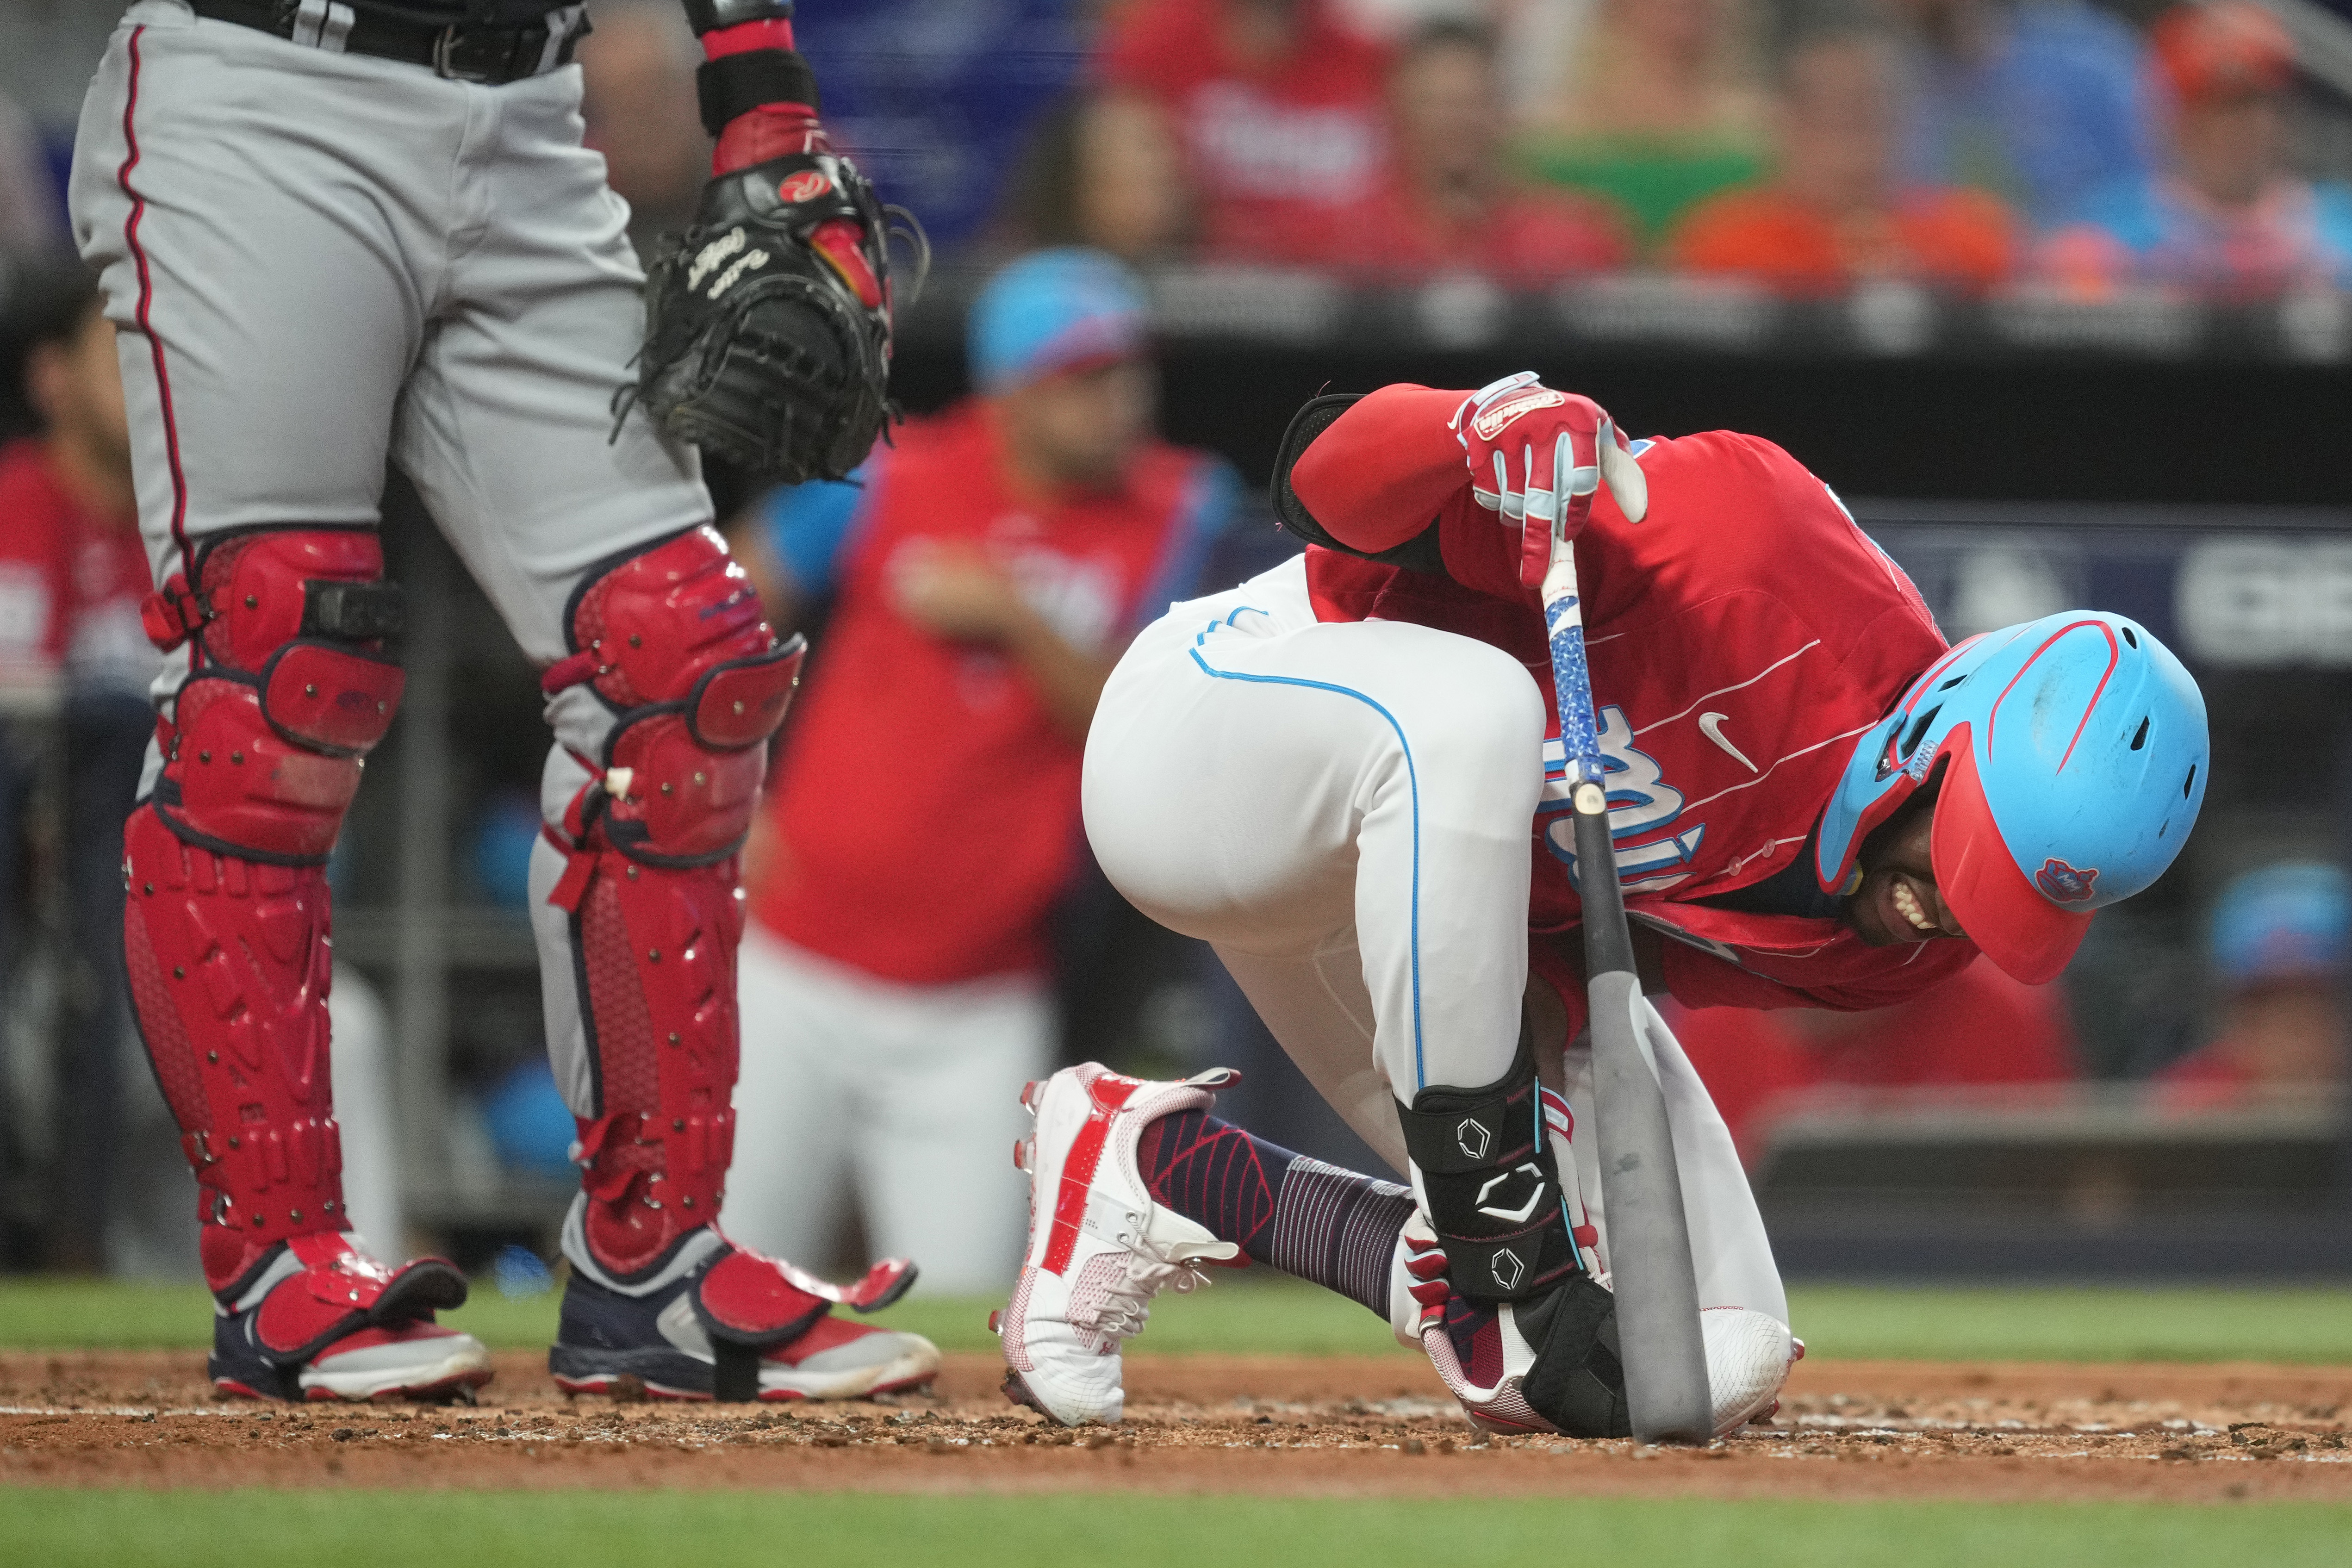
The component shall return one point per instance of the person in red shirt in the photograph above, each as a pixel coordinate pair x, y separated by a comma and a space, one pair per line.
1980, 1028
72, 575
1449, 203
1346, 775
72, 570
1837, 212
984, 573
1277, 104
2278, 943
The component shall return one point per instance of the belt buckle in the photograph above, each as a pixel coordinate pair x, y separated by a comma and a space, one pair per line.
444, 43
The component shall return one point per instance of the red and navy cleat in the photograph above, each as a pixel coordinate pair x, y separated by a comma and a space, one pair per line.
318, 1319
714, 1321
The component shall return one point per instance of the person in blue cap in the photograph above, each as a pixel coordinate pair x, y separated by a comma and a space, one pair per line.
2276, 942
984, 573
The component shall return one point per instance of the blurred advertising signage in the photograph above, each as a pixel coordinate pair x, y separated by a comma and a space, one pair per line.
2280, 600
2222, 595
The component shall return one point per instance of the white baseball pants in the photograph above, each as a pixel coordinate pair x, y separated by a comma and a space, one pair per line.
903, 1100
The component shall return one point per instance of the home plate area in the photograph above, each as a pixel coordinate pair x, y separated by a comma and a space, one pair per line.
1271, 1425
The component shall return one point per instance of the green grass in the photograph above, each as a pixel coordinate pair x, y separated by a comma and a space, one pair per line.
2282, 1323
1263, 1315
457, 1530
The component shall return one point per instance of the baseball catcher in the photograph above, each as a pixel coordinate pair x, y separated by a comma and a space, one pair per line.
334, 234
1346, 775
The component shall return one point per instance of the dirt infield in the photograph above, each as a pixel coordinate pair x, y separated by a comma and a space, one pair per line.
1326, 1425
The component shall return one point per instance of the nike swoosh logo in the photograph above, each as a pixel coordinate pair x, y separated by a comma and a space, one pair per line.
1711, 726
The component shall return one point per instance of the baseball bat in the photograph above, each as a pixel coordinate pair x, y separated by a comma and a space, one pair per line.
1659, 1338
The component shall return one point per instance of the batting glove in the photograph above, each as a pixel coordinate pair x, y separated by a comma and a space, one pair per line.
1536, 457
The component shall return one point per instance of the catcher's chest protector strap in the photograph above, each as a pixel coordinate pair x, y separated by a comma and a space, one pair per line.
226, 922
1484, 1170
672, 639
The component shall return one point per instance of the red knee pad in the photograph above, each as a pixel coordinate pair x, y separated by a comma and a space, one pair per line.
290, 689
673, 640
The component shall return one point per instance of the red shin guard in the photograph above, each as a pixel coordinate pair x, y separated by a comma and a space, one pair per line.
673, 640
225, 925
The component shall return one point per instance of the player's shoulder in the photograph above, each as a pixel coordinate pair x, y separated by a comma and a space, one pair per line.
1183, 478
953, 447
1747, 514
1730, 463
23, 461
1156, 47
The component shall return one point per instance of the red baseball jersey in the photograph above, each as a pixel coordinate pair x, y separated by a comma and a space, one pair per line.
927, 807
1742, 638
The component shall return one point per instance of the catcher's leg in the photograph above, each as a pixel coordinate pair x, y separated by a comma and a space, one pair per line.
246, 199
663, 708
663, 686
225, 940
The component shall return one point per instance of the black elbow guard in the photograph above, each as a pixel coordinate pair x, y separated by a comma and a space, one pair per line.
1419, 553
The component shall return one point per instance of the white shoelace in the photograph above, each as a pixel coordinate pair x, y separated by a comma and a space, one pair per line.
1127, 1303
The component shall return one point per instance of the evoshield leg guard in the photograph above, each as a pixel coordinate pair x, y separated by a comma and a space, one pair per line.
671, 643
1484, 1172
226, 926
1542, 1333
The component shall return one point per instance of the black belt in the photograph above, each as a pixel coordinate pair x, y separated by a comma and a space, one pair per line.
487, 52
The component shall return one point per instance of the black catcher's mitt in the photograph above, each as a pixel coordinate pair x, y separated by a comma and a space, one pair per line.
768, 325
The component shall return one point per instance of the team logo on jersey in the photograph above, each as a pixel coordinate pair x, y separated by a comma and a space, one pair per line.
1642, 810
2062, 884
804, 186
1491, 422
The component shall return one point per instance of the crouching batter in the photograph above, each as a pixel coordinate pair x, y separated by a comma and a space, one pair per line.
1335, 774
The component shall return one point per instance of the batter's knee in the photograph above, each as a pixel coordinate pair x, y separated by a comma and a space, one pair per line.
670, 641
290, 688
1468, 702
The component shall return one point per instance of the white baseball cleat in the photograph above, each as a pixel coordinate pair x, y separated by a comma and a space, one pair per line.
1749, 1355
1099, 1248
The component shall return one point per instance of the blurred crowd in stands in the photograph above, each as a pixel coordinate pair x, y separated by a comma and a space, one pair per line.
1966, 145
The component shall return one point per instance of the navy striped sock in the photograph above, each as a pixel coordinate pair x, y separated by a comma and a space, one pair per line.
1329, 1226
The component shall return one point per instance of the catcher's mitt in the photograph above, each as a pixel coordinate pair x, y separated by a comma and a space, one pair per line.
768, 324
